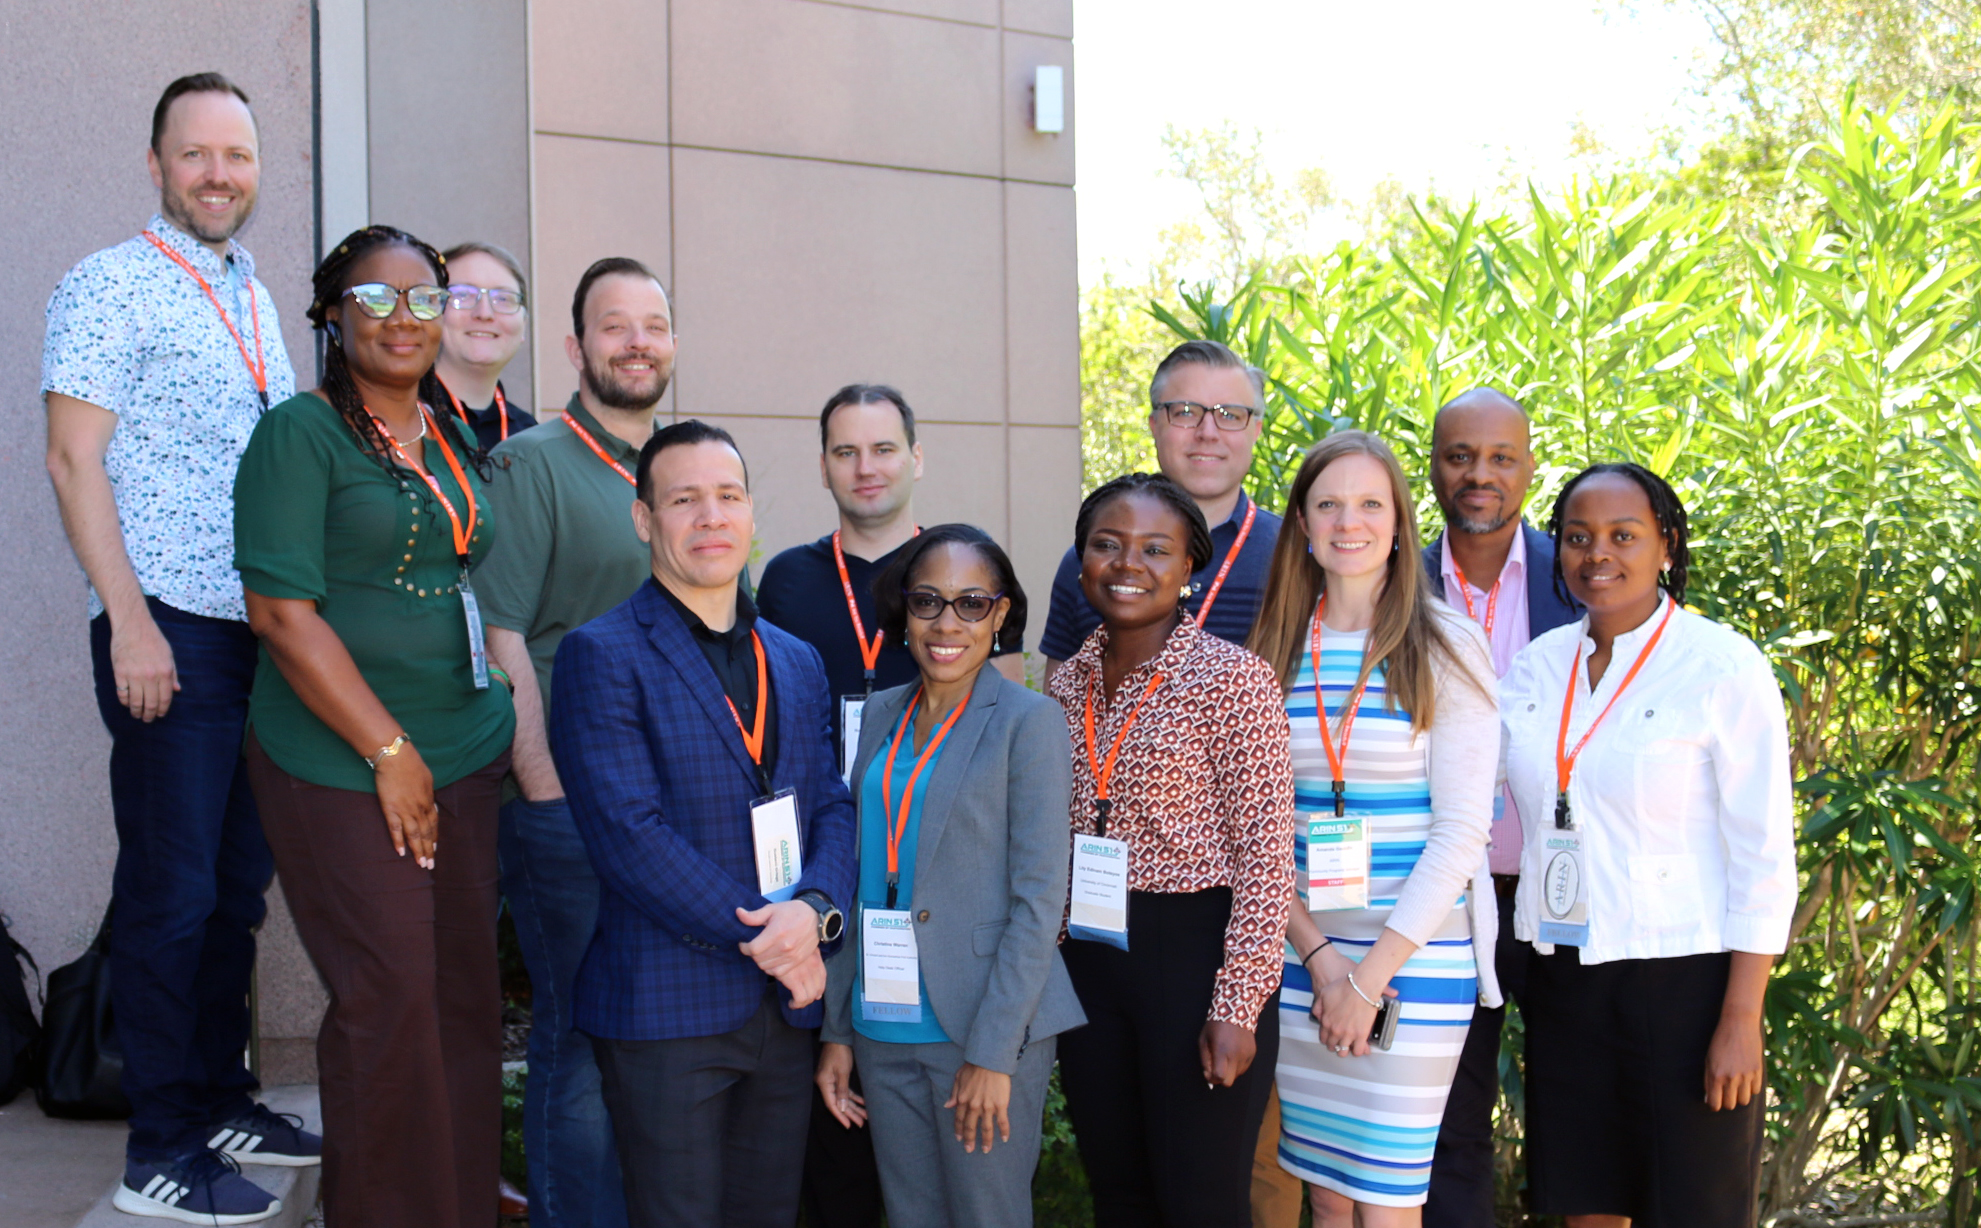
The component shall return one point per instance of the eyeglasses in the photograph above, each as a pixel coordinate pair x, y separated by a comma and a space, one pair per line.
377, 300
463, 297
1188, 414
970, 607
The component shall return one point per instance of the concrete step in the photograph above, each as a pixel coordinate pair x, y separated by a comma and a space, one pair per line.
296, 1187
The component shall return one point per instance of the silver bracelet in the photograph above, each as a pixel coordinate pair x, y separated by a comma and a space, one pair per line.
1358, 992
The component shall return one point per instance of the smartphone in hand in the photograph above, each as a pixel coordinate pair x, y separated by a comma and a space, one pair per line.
1383, 1034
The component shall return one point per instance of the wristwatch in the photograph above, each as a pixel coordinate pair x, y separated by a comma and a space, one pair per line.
832, 922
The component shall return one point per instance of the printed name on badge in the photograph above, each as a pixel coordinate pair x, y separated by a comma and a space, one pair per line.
1099, 894
1337, 862
851, 709
774, 826
890, 967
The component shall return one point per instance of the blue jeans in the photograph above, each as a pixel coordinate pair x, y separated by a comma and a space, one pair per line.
552, 891
191, 868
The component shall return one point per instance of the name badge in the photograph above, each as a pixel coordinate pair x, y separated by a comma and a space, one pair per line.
1337, 862
1099, 893
477, 650
774, 826
851, 709
1564, 890
890, 967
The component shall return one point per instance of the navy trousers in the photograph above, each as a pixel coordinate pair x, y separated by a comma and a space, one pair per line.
191, 869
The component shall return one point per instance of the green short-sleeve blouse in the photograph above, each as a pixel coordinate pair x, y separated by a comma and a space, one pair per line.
316, 519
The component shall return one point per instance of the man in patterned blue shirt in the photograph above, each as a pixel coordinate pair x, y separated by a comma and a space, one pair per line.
161, 353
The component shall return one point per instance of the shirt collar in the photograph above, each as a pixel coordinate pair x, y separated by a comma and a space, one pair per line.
1237, 516
746, 617
1182, 639
1628, 644
1515, 565
198, 254
606, 439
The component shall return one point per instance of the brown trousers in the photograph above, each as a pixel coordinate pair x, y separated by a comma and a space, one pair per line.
410, 1054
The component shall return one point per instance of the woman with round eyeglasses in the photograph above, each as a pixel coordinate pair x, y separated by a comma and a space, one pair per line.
483, 329
952, 996
378, 739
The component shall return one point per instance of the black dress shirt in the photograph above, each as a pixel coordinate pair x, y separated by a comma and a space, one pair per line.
734, 660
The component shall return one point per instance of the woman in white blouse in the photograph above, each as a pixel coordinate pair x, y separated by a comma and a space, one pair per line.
1647, 752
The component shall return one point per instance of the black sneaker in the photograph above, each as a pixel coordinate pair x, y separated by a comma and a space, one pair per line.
262, 1136
202, 1188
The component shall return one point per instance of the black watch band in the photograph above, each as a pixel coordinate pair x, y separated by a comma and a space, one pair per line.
832, 922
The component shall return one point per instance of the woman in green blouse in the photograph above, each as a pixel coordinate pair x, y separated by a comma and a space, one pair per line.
377, 741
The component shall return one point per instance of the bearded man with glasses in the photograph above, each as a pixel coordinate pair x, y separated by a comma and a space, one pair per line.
162, 353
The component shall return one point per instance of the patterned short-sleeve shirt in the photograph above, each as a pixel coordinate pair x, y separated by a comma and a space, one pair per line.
1202, 791
128, 330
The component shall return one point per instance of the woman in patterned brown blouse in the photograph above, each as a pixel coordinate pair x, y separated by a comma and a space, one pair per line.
1180, 753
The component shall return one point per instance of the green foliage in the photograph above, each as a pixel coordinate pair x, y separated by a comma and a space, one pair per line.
1059, 1187
1810, 380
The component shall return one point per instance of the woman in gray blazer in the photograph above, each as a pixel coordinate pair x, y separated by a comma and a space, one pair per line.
949, 994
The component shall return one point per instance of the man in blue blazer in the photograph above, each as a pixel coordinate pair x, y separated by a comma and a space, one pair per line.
1490, 564
682, 719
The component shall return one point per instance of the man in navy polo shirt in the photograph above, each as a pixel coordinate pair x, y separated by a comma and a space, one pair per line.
1206, 408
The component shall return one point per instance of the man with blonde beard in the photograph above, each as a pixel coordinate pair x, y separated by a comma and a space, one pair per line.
567, 552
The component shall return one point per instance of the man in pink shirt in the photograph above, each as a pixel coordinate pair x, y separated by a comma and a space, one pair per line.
1489, 563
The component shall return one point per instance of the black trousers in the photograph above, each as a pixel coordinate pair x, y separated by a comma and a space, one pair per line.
1160, 1147
1617, 1122
842, 1179
711, 1129
1462, 1168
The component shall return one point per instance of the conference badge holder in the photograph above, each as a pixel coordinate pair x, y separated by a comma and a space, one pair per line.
477, 648
852, 708
774, 827
1564, 889
1337, 862
890, 967
1099, 894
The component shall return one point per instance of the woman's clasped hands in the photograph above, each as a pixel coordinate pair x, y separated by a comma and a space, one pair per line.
1344, 1015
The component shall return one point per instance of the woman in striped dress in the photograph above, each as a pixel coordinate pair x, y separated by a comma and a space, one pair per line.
1394, 786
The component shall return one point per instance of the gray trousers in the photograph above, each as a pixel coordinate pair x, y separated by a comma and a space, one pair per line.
926, 1178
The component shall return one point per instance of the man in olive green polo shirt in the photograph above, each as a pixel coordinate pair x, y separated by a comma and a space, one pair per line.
563, 494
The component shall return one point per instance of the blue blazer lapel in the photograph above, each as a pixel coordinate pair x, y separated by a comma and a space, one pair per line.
1434, 564
678, 648
1545, 610
952, 771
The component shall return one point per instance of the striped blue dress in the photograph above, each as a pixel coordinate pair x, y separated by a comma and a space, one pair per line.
1365, 1127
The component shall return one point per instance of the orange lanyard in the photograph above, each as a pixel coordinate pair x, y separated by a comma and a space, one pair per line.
753, 739
1244, 531
463, 536
1492, 598
1564, 758
1337, 759
869, 650
258, 365
899, 828
501, 410
586, 435
1103, 776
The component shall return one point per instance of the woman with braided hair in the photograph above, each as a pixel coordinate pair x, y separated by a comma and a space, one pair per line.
379, 737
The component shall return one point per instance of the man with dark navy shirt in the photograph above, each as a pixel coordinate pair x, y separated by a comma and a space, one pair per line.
1206, 408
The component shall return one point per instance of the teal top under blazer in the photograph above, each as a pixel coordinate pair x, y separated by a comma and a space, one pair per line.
992, 859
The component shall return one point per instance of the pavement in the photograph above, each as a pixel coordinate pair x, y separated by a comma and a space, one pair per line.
61, 1174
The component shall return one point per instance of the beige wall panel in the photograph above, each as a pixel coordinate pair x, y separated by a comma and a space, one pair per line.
599, 67
594, 199
796, 277
962, 477
1045, 498
979, 12
1054, 17
830, 81
1042, 157
1042, 304
783, 456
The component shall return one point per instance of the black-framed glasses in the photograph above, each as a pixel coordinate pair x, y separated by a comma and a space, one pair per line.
377, 300
1187, 414
970, 607
503, 301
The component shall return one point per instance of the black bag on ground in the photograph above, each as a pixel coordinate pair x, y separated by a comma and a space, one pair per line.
20, 1035
83, 1067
